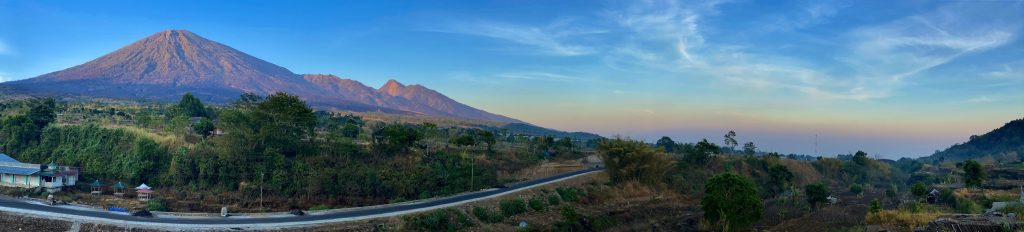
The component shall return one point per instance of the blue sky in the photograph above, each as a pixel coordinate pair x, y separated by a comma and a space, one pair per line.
893, 78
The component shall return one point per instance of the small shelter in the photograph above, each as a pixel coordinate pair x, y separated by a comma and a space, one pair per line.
96, 187
119, 189
933, 196
144, 192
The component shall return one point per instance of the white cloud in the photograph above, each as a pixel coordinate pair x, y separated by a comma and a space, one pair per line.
549, 40
547, 76
4, 49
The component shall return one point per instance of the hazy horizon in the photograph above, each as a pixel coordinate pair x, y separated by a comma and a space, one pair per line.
892, 79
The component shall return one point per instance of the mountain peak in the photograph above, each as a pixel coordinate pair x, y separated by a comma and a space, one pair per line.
166, 64
392, 88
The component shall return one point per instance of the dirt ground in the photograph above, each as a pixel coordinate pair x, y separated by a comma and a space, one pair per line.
849, 211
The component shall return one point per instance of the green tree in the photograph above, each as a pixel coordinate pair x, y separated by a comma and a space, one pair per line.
633, 160
701, 152
42, 112
732, 198
856, 189
779, 178
488, 138
861, 158
974, 175
919, 190
191, 106
203, 127
730, 140
464, 140
749, 148
666, 144
876, 206
816, 193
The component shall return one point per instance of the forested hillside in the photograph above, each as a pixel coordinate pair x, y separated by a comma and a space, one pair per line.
200, 157
1007, 141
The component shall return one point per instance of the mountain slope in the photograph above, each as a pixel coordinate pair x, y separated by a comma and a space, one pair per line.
167, 64
1004, 140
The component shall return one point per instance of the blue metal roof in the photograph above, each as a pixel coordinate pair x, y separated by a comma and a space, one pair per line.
17, 170
14, 170
5, 158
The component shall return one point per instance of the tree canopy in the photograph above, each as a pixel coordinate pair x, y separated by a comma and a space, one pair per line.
732, 198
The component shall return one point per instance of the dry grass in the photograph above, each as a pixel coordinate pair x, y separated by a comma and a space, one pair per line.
804, 172
902, 219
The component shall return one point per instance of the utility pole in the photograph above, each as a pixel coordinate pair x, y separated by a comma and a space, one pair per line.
261, 191
815, 144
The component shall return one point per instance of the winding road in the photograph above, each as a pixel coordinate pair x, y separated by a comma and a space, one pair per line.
279, 221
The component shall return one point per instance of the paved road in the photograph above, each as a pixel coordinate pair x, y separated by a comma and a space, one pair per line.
389, 210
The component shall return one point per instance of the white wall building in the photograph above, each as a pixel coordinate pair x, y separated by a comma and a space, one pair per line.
23, 175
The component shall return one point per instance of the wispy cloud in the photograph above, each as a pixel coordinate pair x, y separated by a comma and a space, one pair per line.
886, 55
4, 49
812, 14
547, 76
552, 39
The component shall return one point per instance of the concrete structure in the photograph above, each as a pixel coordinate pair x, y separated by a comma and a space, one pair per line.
24, 175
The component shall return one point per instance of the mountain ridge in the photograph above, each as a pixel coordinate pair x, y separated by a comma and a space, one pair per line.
169, 63
1005, 140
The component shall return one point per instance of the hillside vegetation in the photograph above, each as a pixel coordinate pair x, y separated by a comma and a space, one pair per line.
200, 157
1007, 140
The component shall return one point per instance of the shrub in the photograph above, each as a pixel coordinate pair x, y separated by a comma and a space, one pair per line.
438, 220
156, 204
486, 215
968, 206
537, 203
816, 193
320, 207
553, 200
631, 160
568, 194
919, 190
856, 188
733, 199
876, 206
512, 207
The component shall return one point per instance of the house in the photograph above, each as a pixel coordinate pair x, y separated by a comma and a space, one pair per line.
52, 177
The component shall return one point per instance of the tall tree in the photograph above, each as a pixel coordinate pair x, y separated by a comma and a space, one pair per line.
974, 175
666, 144
730, 140
732, 198
191, 106
749, 148
816, 194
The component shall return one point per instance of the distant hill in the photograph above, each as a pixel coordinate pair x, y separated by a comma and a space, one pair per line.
167, 64
522, 128
1008, 139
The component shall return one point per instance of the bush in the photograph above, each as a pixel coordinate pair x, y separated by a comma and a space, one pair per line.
553, 200
320, 207
537, 203
733, 199
968, 206
876, 206
568, 194
156, 204
512, 207
438, 220
486, 215
856, 188
816, 193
